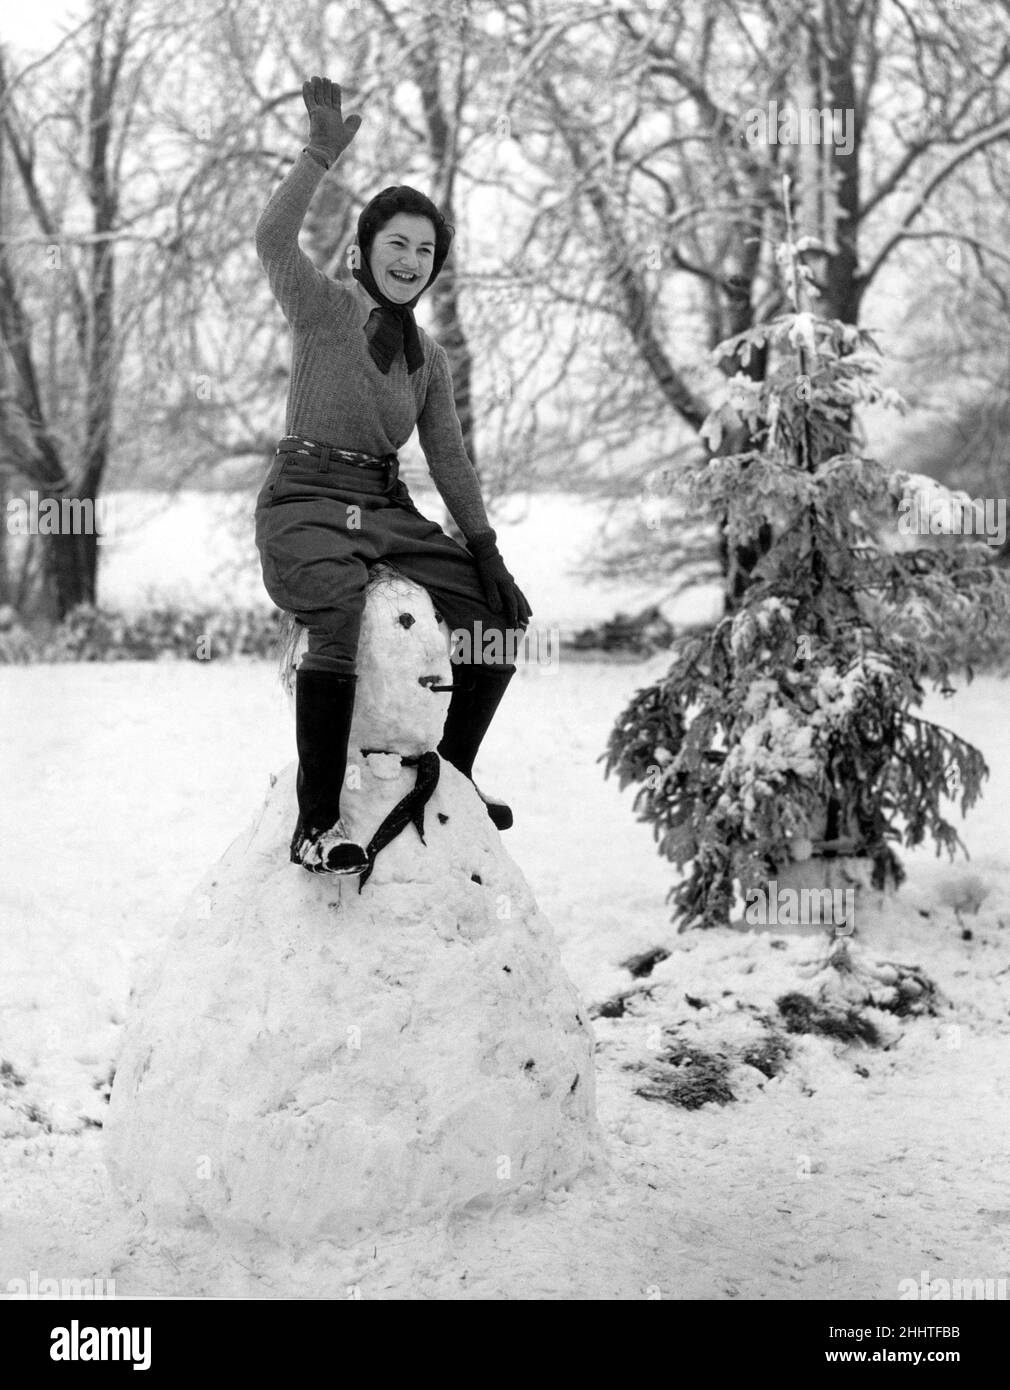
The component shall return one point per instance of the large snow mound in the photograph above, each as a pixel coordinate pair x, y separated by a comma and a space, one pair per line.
309, 1061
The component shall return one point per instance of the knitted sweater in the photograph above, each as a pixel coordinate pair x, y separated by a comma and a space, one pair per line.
337, 394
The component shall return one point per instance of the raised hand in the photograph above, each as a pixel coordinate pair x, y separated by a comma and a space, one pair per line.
329, 131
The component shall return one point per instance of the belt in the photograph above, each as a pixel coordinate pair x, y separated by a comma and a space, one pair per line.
355, 458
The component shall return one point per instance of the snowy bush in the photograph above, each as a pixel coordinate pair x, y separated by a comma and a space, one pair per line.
90, 633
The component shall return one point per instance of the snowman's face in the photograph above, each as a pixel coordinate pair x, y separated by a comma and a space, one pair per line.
403, 651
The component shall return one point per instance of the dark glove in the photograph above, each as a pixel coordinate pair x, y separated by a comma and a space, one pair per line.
500, 588
329, 132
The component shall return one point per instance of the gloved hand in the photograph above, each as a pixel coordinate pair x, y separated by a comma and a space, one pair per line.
328, 130
500, 588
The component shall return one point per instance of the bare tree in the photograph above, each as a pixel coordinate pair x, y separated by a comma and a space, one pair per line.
640, 218
63, 407
659, 194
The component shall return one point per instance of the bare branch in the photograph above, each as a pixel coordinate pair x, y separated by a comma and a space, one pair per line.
1001, 131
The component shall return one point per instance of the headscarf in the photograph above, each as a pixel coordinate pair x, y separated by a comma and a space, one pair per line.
392, 326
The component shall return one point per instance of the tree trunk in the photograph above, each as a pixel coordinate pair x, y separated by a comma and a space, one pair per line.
843, 288
73, 562
67, 568
442, 136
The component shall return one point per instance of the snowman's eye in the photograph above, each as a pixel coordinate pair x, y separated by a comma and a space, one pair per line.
406, 620
438, 616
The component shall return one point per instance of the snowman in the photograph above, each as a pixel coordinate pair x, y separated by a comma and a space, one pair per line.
313, 1058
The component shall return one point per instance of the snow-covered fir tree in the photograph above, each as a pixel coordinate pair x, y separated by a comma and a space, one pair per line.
788, 729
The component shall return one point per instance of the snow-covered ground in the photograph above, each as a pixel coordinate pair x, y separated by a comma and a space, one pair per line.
853, 1169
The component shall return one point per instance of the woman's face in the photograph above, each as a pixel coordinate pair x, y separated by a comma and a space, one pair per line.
406, 243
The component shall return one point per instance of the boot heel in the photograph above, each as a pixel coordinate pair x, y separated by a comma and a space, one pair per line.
499, 811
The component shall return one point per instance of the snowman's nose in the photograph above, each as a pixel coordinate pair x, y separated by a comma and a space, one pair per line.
433, 682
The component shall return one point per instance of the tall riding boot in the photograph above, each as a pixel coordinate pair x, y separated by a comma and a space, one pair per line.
476, 694
324, 704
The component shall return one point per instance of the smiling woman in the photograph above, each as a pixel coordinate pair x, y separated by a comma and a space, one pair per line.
332, 505
402, 244
402, 254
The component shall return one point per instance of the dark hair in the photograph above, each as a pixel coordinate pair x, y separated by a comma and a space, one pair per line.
402, 198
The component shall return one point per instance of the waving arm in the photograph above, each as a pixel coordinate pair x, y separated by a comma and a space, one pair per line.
294, 280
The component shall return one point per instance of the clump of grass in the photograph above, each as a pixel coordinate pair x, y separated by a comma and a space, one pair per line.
907, 991
769, 1055
689, 1078
610, 1008
617, 1007
9, 1075
802, 1014
643, 964
104, 1083
38, 1117
914, 994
